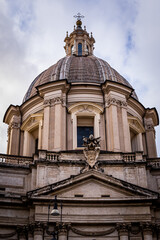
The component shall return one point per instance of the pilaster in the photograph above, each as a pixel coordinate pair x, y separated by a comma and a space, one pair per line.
46, 125
150, 138
59, 124
126, 131
118, 136
112, 127
14, 135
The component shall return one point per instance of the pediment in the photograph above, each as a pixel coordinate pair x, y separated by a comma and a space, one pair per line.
93, 185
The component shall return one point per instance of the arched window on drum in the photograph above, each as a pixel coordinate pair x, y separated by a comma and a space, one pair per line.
79, 49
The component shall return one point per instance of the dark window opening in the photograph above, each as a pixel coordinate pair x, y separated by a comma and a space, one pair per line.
36, 146
79, 49
105, 195
83, 131
78, 195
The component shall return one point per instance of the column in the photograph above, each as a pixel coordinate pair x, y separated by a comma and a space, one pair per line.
38, 234
30, 236
45, 141
22, 236
26, 145
62, 233
38, 231
123, 231
147, 230
139, 141
40, 135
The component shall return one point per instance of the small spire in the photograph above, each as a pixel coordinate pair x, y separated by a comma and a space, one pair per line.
67, 34
74, 27
84, 28
91, 35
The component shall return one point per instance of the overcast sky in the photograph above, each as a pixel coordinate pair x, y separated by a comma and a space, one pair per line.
127, 34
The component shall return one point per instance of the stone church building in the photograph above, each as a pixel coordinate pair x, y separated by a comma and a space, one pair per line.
81, 159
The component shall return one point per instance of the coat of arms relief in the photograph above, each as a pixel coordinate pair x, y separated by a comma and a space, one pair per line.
91, 151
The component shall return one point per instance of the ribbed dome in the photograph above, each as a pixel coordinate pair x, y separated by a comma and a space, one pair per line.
77, 69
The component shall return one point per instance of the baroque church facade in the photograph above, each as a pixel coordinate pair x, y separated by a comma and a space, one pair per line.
82, 144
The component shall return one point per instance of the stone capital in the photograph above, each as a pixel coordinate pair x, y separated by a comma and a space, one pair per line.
123, 228
115, 101
149, 126
47, 103
14, 125
62, 228
58, 100
147, 228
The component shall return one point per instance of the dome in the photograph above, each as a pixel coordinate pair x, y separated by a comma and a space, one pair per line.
78, 69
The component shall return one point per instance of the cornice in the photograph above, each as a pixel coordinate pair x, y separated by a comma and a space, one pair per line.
10, 112
53, 86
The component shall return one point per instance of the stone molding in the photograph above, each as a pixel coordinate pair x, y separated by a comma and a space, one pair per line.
115, 101
61, 228
93, 234
136, 124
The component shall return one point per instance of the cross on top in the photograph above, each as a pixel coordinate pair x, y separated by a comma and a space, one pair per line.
78, 16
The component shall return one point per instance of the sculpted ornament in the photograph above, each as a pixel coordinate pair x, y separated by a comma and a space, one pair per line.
91, 150
14, 125
116, 102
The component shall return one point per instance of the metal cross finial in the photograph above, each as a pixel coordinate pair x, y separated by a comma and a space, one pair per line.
78, 16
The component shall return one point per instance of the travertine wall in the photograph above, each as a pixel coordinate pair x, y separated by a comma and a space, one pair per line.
55, 114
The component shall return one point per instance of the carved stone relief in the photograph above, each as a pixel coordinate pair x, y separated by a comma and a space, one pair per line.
116, 102
54, 101
91, 150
